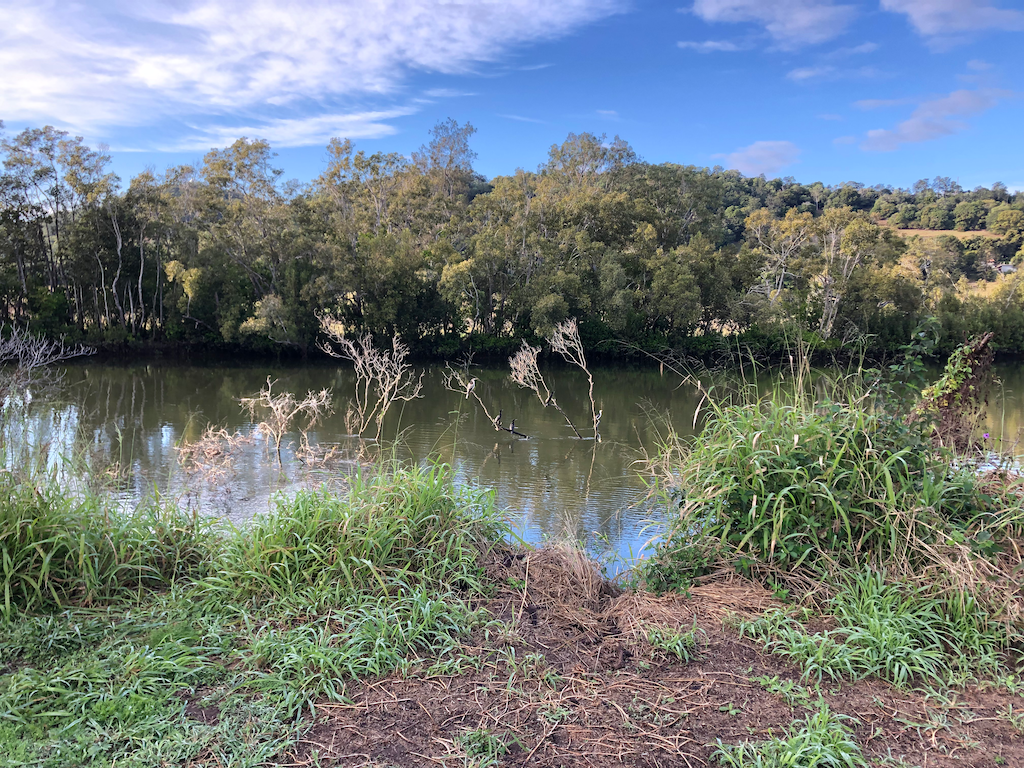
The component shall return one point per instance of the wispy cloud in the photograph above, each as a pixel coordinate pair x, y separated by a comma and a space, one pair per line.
790, 23
829, 116
710, 46
521, 119
868, 104
948, 21
931, 120
446, 93
611, 114
767, 157
290, 132
829, 72
111, 63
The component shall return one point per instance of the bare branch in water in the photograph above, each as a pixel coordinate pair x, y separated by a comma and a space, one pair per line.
383, 377
565, 340
27, 354
526, 373
277, 412
459, 380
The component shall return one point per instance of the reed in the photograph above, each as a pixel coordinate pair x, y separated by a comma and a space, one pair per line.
824, 477
59, 547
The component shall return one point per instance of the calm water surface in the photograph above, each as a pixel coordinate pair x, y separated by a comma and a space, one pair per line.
132, 419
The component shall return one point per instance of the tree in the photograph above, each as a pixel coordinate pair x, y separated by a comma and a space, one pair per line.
778, 241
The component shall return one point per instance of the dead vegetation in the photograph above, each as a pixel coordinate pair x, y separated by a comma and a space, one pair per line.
383, 377
576, 674
277, 413
211, 457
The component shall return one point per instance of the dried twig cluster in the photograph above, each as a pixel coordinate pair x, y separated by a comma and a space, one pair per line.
25, 354
383, 377
211, 456
276, 412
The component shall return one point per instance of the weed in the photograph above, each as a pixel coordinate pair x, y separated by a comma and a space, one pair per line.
794, 694
890, 631
483, 748
679, 644
822, 741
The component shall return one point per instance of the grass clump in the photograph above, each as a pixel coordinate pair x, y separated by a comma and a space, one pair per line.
60, 548
894, 632
791, 483
393, 531
819, 741
252, 627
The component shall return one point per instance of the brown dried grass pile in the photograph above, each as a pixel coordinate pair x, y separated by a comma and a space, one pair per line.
636, 612
563, 581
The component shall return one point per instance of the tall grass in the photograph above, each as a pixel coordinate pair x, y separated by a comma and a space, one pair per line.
395, 529
797, 479
59, 548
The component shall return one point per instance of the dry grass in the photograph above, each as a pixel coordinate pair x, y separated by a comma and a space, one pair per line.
933, 233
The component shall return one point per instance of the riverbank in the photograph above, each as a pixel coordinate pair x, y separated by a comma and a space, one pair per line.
396, 623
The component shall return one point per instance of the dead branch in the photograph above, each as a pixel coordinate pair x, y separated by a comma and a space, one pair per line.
565, 340
27, 354
459, 380
526, 373
383, 377
276, 412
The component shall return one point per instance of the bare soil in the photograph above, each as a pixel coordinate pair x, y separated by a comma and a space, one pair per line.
573, 682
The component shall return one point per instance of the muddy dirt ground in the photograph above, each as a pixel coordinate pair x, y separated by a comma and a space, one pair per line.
571, 681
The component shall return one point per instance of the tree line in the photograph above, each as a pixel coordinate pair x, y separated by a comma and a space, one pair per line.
424, 247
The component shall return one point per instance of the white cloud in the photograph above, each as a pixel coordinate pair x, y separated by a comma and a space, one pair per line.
610, 113
291, 132
977, 65
767, 157
521, 119
114, 63
932, 120
830, 116
791, 23
939, 18
828, 72
841, 140
710, 46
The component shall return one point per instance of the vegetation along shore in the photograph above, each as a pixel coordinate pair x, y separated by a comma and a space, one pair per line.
223, 255
836, 583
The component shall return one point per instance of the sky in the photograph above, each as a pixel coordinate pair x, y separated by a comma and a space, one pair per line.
874, 91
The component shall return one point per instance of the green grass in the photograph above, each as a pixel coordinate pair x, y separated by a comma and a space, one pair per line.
114, 622
893, 632
797, 481
58, 548
819, 741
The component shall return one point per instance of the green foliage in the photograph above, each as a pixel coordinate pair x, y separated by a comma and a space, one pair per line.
677, 643
897, 633
395, 528
63, 548
820, 741
483, 748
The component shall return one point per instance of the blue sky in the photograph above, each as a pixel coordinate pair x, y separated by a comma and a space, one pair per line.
877, 91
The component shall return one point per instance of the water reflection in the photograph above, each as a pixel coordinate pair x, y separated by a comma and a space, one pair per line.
129, 421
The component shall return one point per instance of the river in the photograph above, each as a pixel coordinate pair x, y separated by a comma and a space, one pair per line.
128, 422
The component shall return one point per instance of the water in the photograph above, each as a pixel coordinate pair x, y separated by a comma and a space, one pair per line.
129, 421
